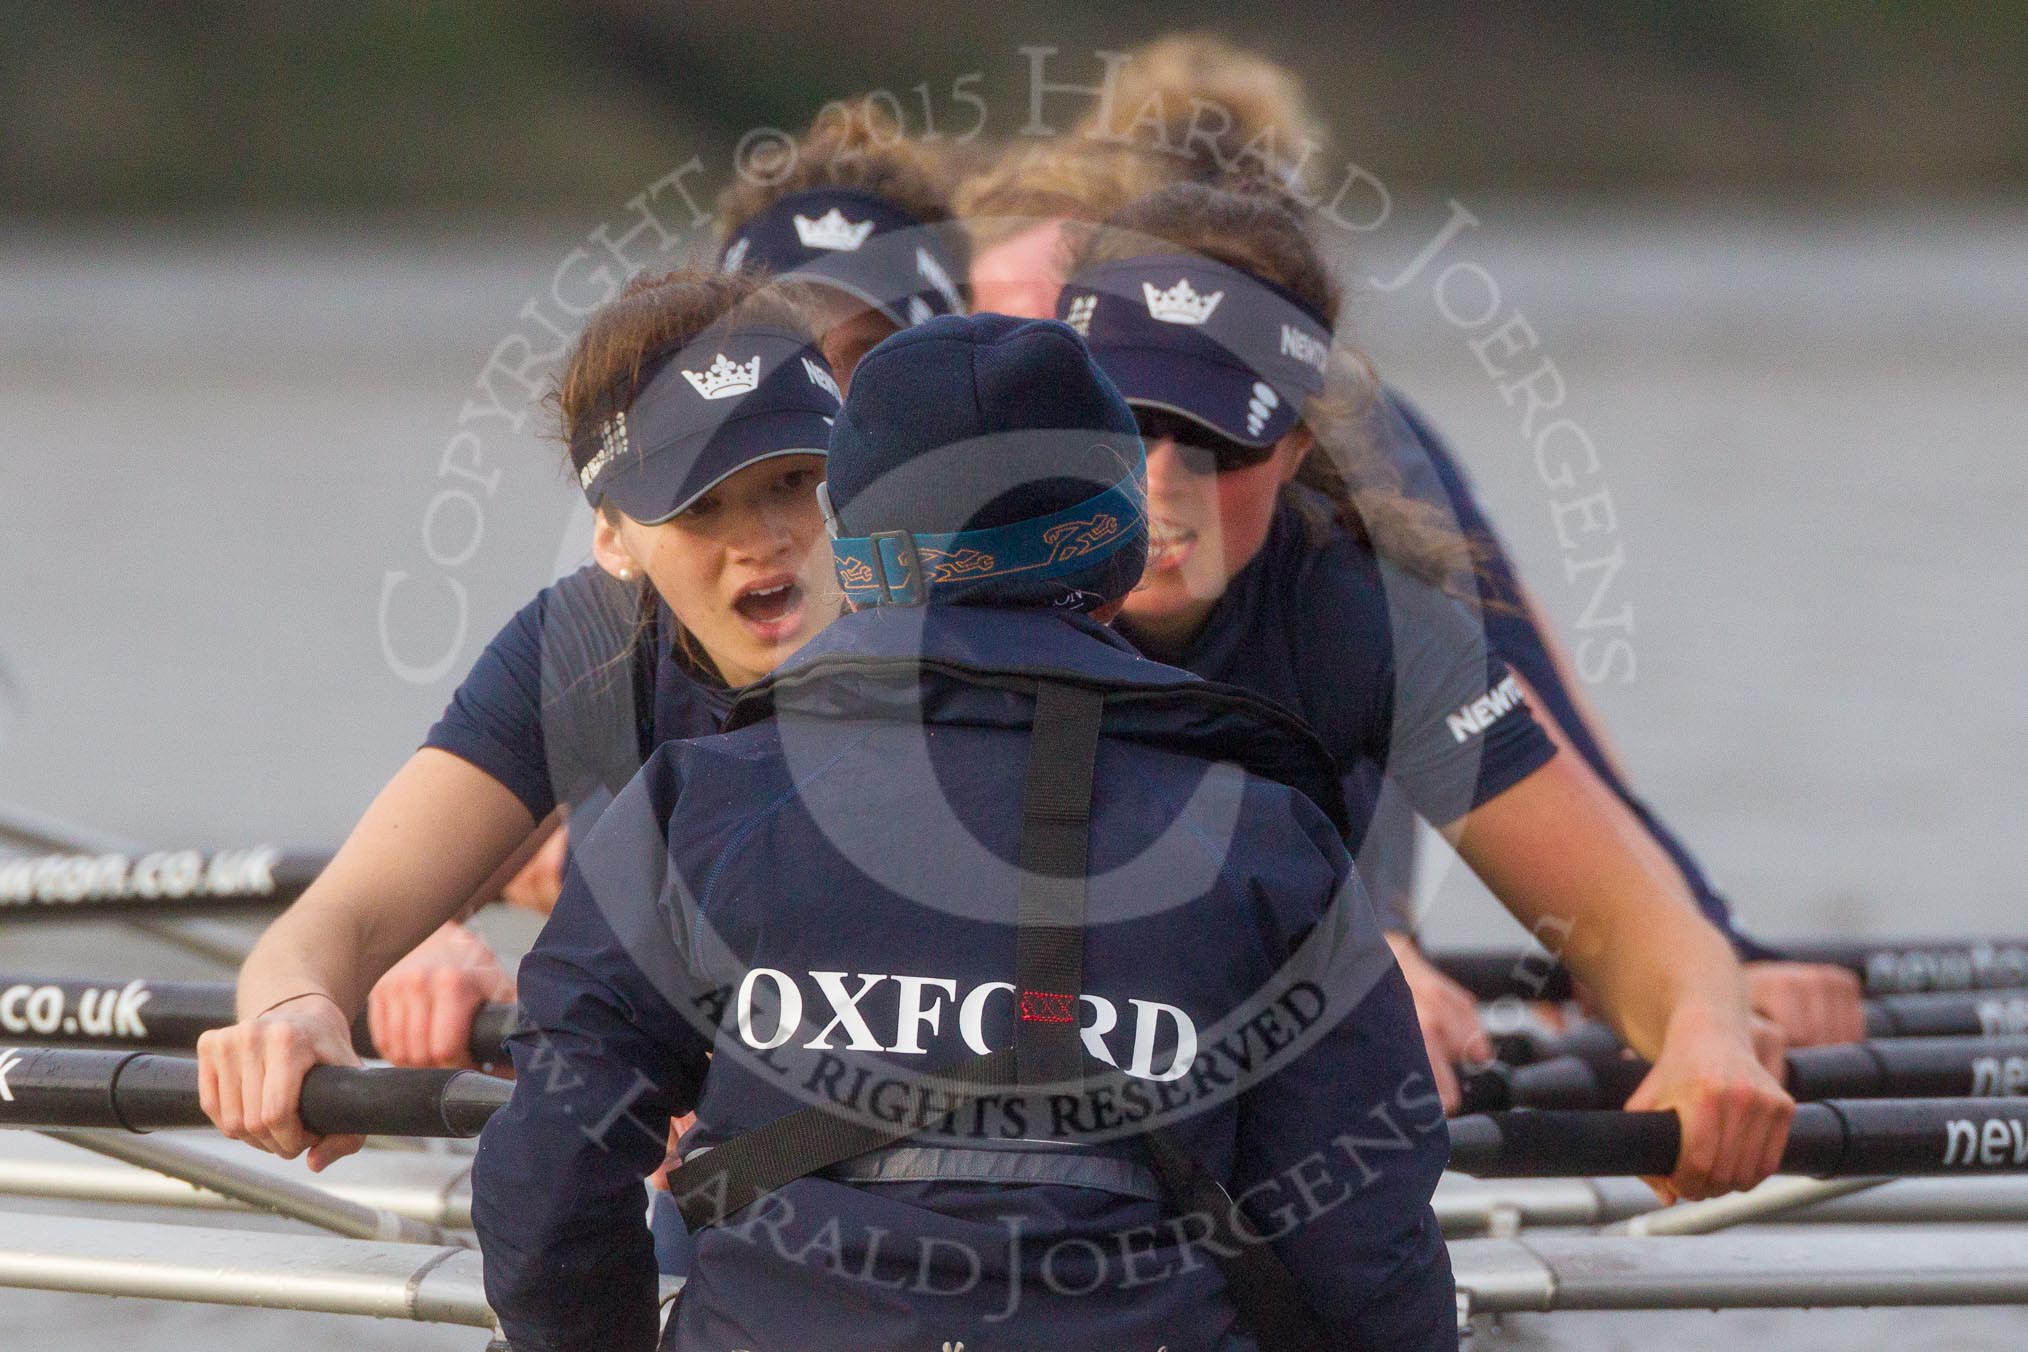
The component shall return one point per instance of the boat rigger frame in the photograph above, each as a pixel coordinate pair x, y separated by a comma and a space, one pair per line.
1776, 1268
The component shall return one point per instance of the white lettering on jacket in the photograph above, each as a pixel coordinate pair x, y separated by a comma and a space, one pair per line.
769, 1010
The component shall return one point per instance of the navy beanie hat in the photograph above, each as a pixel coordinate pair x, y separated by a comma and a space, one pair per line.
986, 460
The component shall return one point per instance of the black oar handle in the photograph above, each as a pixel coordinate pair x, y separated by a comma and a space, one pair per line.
1504, 974
395, 1101
1837, 1138
1906, 965
139, 1091
79, 886
1944, 1067
1564, 1144
491, 1027
1887, 966
170, 1016
1989, 1014
1995, 1013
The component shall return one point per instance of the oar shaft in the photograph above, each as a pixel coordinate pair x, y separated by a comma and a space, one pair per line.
94, 886
1887, 966
168, 1015
1906, 965
1836, 1138
1889, 1068
1996, 1013
137, 1091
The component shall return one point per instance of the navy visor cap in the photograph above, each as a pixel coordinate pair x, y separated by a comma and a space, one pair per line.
1193, 336
730, 398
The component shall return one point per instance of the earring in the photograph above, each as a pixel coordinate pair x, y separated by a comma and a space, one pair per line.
626, 575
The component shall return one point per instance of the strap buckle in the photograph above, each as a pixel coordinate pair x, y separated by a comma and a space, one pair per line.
912, 590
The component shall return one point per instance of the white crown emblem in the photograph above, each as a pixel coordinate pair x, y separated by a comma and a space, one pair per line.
1261, 407
612, 445
822, 379
735, 255
1079, 316
919, 311
832, 231
725, 378
1180, 304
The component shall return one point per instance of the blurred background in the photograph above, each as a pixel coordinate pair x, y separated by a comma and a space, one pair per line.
270, 485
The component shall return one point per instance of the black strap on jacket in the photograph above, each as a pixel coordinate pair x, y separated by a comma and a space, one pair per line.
717, 1184
1055, 867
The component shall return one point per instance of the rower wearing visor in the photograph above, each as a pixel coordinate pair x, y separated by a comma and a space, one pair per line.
1023, 987
695, 412
1270, 572
861, 212
1264, 128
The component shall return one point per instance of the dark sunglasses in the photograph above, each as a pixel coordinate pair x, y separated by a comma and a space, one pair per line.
1190, 435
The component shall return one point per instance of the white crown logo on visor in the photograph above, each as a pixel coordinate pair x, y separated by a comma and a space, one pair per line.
1079, 316
725, 378
832, 231
919, 311
822, 379
1180, 304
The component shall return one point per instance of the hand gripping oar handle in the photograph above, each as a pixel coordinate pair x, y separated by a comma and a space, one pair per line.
170, 1015
138, 1091
1837, 1138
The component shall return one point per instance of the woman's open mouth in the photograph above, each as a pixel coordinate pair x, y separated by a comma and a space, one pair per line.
772, 608
1168, 545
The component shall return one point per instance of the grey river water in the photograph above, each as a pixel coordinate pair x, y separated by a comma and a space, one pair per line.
230, 532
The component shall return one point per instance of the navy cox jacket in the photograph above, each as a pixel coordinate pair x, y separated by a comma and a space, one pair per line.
818, 905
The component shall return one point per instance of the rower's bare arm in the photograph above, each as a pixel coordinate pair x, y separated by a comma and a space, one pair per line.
1811, 1003
1574, 867
441, 832
1567, 858
440, 836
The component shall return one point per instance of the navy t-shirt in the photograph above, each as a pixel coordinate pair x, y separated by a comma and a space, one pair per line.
1386, 668
575, 692
1430, 471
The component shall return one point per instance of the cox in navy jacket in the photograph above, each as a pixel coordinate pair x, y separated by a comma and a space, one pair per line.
817, 906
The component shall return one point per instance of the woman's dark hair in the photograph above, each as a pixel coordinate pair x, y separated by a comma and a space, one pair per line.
1251, 228
853, 143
